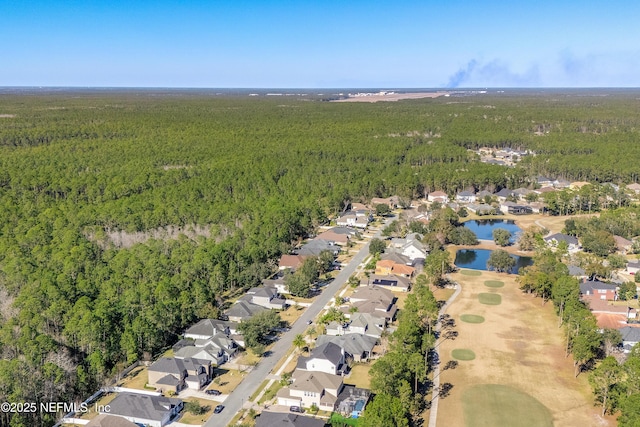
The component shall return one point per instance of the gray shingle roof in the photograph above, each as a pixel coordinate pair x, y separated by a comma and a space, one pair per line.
328, 351
244, 309
592, 285
630, 334
142, 406
559, 237
351, 343
278, 419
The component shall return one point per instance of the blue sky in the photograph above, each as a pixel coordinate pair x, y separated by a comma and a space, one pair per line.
320, 44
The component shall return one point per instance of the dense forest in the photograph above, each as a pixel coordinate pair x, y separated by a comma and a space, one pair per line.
253, 175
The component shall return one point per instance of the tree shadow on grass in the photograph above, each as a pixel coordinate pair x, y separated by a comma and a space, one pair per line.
451, 364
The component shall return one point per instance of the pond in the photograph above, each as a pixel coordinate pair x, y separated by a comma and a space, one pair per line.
476, 259
483, 228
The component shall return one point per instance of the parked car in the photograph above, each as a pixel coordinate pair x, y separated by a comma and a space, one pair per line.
213, 392
218, 409
295, 409
309, 322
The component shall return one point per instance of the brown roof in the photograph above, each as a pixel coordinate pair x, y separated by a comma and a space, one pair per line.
611, 321
333, 236
438, 194
621, 242
314, 381
291, 261
402, 269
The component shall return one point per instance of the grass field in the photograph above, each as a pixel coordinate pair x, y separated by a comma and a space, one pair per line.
494, 283
471, 318
359, 376
503, 406
489, 299
520, 347
471, 272
463, 354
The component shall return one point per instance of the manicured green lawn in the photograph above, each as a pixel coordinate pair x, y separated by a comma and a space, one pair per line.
339, 420
471, 272
489, 405
471, 318
490, 299
494, 283
463, 354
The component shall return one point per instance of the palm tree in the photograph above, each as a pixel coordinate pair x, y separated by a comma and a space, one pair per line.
299, 341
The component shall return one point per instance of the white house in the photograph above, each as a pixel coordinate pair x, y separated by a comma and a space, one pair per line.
311, 388
328, 358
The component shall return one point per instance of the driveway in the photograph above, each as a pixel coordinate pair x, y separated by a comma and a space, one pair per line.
252, 381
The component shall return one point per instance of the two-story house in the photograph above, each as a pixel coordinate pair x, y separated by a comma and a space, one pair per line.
598, 290
312, 388
328, 358
173, 374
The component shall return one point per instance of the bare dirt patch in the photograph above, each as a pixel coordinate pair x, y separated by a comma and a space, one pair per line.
519, 345
391, 97
124, 240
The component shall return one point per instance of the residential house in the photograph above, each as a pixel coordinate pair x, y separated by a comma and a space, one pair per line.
543, 181
337, 238
243, 310
577, 272
218, 349
395, 263
287, 419
374, 300
623, 245
214, 355
206, 328
438, 196
481, 195
389, 281
465, 197
353, 220
561, 183
316, 246
265, 296
598, 290
630, 337
356, 206
290, 262
392, 202
366, 324
411, 247
515, 209
143, 409
174, 374
522, 193
336, 328
104, 420
633, 267
358, 347
312, 388
504, 194
327, 357
481, 209
554, 239
278, 282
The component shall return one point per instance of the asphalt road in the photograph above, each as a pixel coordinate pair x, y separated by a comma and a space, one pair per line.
253, 380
